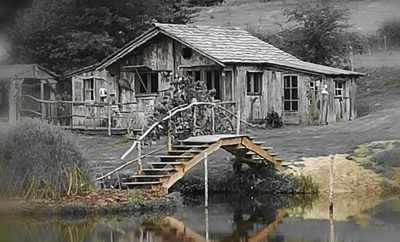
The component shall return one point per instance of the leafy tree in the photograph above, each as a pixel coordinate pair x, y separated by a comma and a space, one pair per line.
316, 31
67, 34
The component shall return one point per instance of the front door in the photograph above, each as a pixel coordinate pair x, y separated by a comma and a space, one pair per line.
3, 100
227, 86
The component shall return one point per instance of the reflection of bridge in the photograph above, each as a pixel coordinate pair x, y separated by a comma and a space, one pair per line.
172, 229
164, 170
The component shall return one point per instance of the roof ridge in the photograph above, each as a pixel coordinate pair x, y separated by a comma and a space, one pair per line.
200, 25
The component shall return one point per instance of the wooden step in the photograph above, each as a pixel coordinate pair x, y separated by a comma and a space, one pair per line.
148, 176
166, 163
141, 183
183, 151
151, 170
190, 146
174, 157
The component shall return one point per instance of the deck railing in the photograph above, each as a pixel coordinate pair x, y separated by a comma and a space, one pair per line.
62, 113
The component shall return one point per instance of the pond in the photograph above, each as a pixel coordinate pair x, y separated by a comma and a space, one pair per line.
228, 218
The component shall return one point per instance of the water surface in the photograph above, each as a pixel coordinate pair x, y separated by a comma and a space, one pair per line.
274, 219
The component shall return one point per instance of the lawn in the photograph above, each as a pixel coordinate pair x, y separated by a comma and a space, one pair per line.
366, 15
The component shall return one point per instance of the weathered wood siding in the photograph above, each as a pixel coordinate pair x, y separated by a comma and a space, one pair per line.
101, 80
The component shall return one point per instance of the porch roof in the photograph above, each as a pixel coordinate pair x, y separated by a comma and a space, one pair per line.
25, 71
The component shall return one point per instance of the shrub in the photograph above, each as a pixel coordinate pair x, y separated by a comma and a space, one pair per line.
38, 160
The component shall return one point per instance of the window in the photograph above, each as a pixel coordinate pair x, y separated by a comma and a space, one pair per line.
254, 83
291, 93
339, 88
88, 89
187, 53
146, 83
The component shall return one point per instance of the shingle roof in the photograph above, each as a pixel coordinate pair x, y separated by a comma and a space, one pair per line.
226, 45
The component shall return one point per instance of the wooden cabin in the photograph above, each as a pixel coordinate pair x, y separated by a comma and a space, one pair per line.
20, 86
240, 67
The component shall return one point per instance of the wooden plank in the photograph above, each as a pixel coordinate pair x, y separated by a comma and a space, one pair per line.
158, 169
148, 176
177, 157
166, 163
141, 183
257, 149
211, 138
190, 146
183, 151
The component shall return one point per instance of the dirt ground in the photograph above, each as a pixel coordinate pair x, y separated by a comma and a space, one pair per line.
349, 176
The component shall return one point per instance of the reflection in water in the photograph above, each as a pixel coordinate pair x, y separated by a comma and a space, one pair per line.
226, 219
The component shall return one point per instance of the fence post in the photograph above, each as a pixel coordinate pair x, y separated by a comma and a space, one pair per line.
169, 137
42, 105
109, 117
213, 118
140, 155
205, 180
331, 183
238, 119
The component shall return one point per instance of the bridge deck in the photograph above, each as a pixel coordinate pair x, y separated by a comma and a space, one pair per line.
213, 138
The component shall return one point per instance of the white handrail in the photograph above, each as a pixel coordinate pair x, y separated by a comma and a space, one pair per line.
127, 163
176, 110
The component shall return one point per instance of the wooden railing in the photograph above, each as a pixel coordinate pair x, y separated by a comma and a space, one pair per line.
60, 112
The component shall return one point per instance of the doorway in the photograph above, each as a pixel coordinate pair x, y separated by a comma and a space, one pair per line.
3, 100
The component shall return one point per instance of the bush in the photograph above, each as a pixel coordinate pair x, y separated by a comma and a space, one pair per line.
38, 160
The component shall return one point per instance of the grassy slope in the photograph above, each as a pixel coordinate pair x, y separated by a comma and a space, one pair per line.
366, 15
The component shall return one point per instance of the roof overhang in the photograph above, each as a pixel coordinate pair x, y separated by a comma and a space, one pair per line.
143, 39
303, 68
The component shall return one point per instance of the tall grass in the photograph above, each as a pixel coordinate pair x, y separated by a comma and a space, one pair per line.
40, 161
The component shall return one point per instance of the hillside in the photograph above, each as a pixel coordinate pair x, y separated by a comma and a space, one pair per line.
366, 15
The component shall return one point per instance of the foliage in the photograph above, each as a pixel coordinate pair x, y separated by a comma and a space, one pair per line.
273, 120
38, 160
316, 32
391, 29
67, 34
184, 91
305, 185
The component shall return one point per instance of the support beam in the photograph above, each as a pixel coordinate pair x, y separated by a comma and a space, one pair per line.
42, 105
14, 100
205, 180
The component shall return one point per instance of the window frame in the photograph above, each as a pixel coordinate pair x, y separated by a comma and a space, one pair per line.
291, 100
147, 84
252, 83
86, 90
342, 89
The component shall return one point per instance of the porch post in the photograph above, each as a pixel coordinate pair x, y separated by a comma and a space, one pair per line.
13, 100
42, 105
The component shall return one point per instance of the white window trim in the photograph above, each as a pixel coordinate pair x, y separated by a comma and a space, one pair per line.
343, 89
92, 90
291, 100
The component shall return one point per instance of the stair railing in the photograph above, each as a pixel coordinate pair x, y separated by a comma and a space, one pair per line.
174, 112
137, 144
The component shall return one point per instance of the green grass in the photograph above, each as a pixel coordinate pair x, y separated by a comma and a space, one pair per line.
366, 15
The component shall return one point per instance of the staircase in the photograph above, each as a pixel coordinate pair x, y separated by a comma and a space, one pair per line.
165, 170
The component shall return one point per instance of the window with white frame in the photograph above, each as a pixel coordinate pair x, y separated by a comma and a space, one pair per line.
88, 89
254, 83
339, 88
290, 93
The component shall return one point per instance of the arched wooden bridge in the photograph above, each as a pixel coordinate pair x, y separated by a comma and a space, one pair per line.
164, 170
